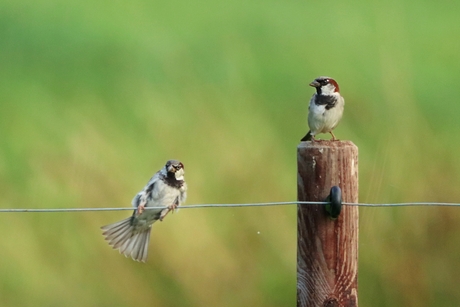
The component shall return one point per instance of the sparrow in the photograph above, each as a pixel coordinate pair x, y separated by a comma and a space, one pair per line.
325, 109
166, 189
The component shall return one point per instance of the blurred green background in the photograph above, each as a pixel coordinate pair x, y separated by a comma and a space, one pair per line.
96, 95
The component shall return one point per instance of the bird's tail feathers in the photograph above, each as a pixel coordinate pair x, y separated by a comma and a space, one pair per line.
307, 137
121, 236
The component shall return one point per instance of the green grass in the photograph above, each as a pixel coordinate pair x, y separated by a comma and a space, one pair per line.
96, 95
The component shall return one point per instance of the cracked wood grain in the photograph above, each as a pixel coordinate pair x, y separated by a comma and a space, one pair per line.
327, 250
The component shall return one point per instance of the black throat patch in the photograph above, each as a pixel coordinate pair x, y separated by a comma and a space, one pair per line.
327, 100
170, 179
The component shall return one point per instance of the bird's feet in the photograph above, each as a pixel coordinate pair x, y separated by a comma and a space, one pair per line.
140, 208
165, 212
333, 137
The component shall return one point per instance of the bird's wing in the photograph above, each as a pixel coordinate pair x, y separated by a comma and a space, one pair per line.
146, 194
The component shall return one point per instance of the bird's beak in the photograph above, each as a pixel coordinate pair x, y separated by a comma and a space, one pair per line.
171, 169
315, 84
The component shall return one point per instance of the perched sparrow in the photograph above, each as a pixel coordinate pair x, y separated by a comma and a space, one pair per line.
326, 108
167, 188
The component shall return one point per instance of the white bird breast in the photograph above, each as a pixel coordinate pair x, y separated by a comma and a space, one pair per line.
321, 120
164, 195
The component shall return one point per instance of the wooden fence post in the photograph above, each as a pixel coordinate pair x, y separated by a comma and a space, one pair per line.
327, 250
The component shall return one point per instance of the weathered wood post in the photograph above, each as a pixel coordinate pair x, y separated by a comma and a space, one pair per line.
327, 250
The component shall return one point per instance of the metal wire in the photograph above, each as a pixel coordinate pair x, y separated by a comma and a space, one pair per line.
404, 204
234, 205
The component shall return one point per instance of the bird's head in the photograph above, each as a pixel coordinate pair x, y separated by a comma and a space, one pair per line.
325, 86
175, 168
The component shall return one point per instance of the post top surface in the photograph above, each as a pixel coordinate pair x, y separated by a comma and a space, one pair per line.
326, 144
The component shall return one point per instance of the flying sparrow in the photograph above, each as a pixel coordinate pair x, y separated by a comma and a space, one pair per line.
325, 109
166, 189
